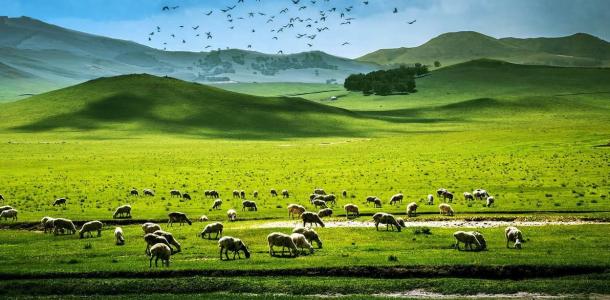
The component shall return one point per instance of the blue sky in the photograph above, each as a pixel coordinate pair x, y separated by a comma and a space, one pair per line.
373, 26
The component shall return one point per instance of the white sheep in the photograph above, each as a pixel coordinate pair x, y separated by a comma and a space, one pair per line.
370, 199
468, 196
60, 225
412, 209
203, 218
311, 218
295, 209
301, 242
89, 227
401, 222
351, 209
232, 215
468, 238
9, 214
119, 236
445, 209
513, 234
160, 251
326, 212
310, 234
377, 203
152, 239
212, 228
396, 198
122, 212
5, 207
281, 240
387, 219
229, 243
250, 205
217, 204
285, 194
47, 224
490, 201
318, 203
178, 217
319, 192
170, 239
430, 199
150, 227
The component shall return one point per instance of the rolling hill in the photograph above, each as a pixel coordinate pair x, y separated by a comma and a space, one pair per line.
576, 50
62, 57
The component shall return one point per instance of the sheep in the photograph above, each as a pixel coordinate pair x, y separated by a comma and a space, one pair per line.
203, 218
412, 209
468, 196
430, 199
134, 192
47, 224
118, 235
490, 201
160, 251
122, 212
212, 228
310, 234
440, 192
6, 207
217, 204
326, 212
370, 199
178, 217
235, 194
150, 227
351, 208
311, 218
377, 203
60, 201
396, 198
214, 194
480, 194
255, 194
319, 192
285, 194
170, 239
251, 205
445, 209
207, 193
232, 215
273, 193
62, 225
186, 196
295, 209
229, 243
175, 193
513, 234
301, 242
319, 204
153, 239
344, 194
330, 198
242, 194
89, 227
481, 239
401, 222
387, 219
448, 195
281, 240
149, 192
468, 238
9, 213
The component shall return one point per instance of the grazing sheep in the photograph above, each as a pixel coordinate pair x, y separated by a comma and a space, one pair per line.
122, 212
178, 217
430, 199
203, 218
134, 192
351, 209
301, 242
330, 198
480, 194
153, 239
448, 195
344, 194
468, 238
47, 224
513, 234
89, 227
480, 238
440, 192
255, 194
445, 209
60, 201
370, 199
468, 196
175, 193
118, 235
214, 194
396, 198
186, 196
150, 227
295, 209
319, 204
232, 215
6, 207
311, 218
61, 225
310, 234
170, 239
160, 251
149, 192
212, 228
412, 209
207, 193
281, 240
235, 194
312, 197
387, 219
9, 213
377, 203
251, 205
326, 212
242, 193
273, 193
229, 243
490, 201
285, 194
401, 222
217, 204
319, 192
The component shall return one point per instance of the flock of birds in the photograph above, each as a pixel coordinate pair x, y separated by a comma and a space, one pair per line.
304, 20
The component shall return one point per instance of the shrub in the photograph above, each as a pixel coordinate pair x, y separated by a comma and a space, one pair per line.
392, 257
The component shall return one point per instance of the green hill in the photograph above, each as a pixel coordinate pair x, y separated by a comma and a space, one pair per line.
145, 103
456, 47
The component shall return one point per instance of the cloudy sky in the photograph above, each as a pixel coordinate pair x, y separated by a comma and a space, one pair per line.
372, 26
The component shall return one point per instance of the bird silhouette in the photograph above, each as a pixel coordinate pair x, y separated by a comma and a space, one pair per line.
412, 22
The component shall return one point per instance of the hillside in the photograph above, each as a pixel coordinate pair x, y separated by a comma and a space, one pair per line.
64, 57
456, 47
149, 104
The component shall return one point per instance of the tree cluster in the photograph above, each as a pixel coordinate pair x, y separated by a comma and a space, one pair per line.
386, 82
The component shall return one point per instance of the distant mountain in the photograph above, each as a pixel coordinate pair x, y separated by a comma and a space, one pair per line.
61, 57
457, 47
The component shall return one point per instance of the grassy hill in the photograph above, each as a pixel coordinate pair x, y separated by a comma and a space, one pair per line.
456, 47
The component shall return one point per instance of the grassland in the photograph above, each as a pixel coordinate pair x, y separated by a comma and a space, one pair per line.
526, 134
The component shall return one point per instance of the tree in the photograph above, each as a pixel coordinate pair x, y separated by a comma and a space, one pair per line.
437, 64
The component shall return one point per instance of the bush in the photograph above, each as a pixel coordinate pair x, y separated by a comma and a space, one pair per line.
386, 82
88, 246
392, 257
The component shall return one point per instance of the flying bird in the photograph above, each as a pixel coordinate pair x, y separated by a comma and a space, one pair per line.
412, 22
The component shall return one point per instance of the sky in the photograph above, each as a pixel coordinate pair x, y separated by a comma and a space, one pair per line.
371, 26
